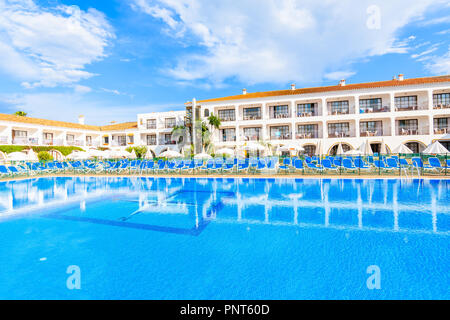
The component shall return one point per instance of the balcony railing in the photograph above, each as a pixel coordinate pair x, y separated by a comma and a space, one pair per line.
412, 130
254, 137
25, 141
167, 142
3, 140
442, 130
307, 135
375, 109
411, 108
302, 114
280, 115
77, 143
151, 142
52, 142
441, 106
371, 133
252, 116
281, 136
229, 118
228, 138
340, 134
151, 126
338, 112
92, 143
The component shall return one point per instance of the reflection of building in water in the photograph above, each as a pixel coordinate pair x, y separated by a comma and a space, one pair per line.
381, 205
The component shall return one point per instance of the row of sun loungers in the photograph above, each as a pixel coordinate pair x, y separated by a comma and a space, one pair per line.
252, 165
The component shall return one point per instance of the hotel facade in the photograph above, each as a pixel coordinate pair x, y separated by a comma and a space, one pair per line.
414, 112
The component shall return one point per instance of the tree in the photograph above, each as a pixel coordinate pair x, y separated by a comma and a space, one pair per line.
20, 113
214, 121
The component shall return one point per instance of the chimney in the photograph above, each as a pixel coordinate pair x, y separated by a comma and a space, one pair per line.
80, 119
244, 91
293, 86
400, 77
342, 83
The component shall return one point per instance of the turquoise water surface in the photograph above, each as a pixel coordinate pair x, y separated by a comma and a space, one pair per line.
201, 238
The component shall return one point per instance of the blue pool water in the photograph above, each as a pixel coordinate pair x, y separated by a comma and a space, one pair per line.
186, 238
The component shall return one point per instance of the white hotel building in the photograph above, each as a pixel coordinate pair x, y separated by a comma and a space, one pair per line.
415, 112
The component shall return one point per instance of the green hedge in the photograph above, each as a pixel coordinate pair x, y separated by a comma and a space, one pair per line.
64, 150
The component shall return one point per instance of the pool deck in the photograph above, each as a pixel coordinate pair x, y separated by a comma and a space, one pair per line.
255, 176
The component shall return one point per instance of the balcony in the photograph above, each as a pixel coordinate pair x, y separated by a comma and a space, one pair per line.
442, 130
228, 138
166, 142
3, 140
77, 143
374, 109
280, 115
227, 118
303, 114
281, 136
92, 144
307, 135
25, 141
53, 142
338, 112
340, 134
441, 106
253, 137
371, 133
151, 126
412, 131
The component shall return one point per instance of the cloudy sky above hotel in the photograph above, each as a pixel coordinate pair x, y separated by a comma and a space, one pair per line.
113, 59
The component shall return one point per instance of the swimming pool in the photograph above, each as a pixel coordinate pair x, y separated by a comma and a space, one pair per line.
213, 238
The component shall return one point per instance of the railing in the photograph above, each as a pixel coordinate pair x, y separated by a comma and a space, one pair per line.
338, 112
363, 110
151, 142
254, 137
167, 142
441, 106
255, 116
411, 108
53, 142
442, 130
280, 115
118, 144
371, 133
92, 144
77, 143
285, 136
340, 134
3, 140
228, 138
231, 118
307, 135
412, 131
302, 114
151, 126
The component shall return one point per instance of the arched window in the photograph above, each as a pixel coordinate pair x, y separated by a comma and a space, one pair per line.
206, 113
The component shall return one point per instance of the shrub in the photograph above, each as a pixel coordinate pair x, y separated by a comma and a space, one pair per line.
44, 156
63, 149
140, 151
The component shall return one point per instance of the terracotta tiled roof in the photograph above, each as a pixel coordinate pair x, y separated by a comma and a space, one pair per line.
368, 85
63, 124
120, 126
44, 122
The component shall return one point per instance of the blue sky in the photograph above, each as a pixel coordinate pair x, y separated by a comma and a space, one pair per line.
110, 60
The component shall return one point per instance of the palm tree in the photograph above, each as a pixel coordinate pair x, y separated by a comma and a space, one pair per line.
214, 121
20, 113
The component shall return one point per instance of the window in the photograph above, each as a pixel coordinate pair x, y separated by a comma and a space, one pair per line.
122, 140
310, 150
371, 128
105, 140
19, 134
414, 146
441, 100
130, 139
167, 138
206, 113
227, 115
170, 122
252, 134
406, 127
371, 105
441, 123
406, 103
338, 107
48, 136
70, 138
228, 134
151, 139
307, 131
280, 111
151, 123
88, 140
252, 113
280, 132
341, 129
306, 109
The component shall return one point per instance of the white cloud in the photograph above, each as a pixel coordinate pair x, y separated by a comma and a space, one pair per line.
97, 112
339, 75
440, 64
283, 40
82, 89
50, 47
